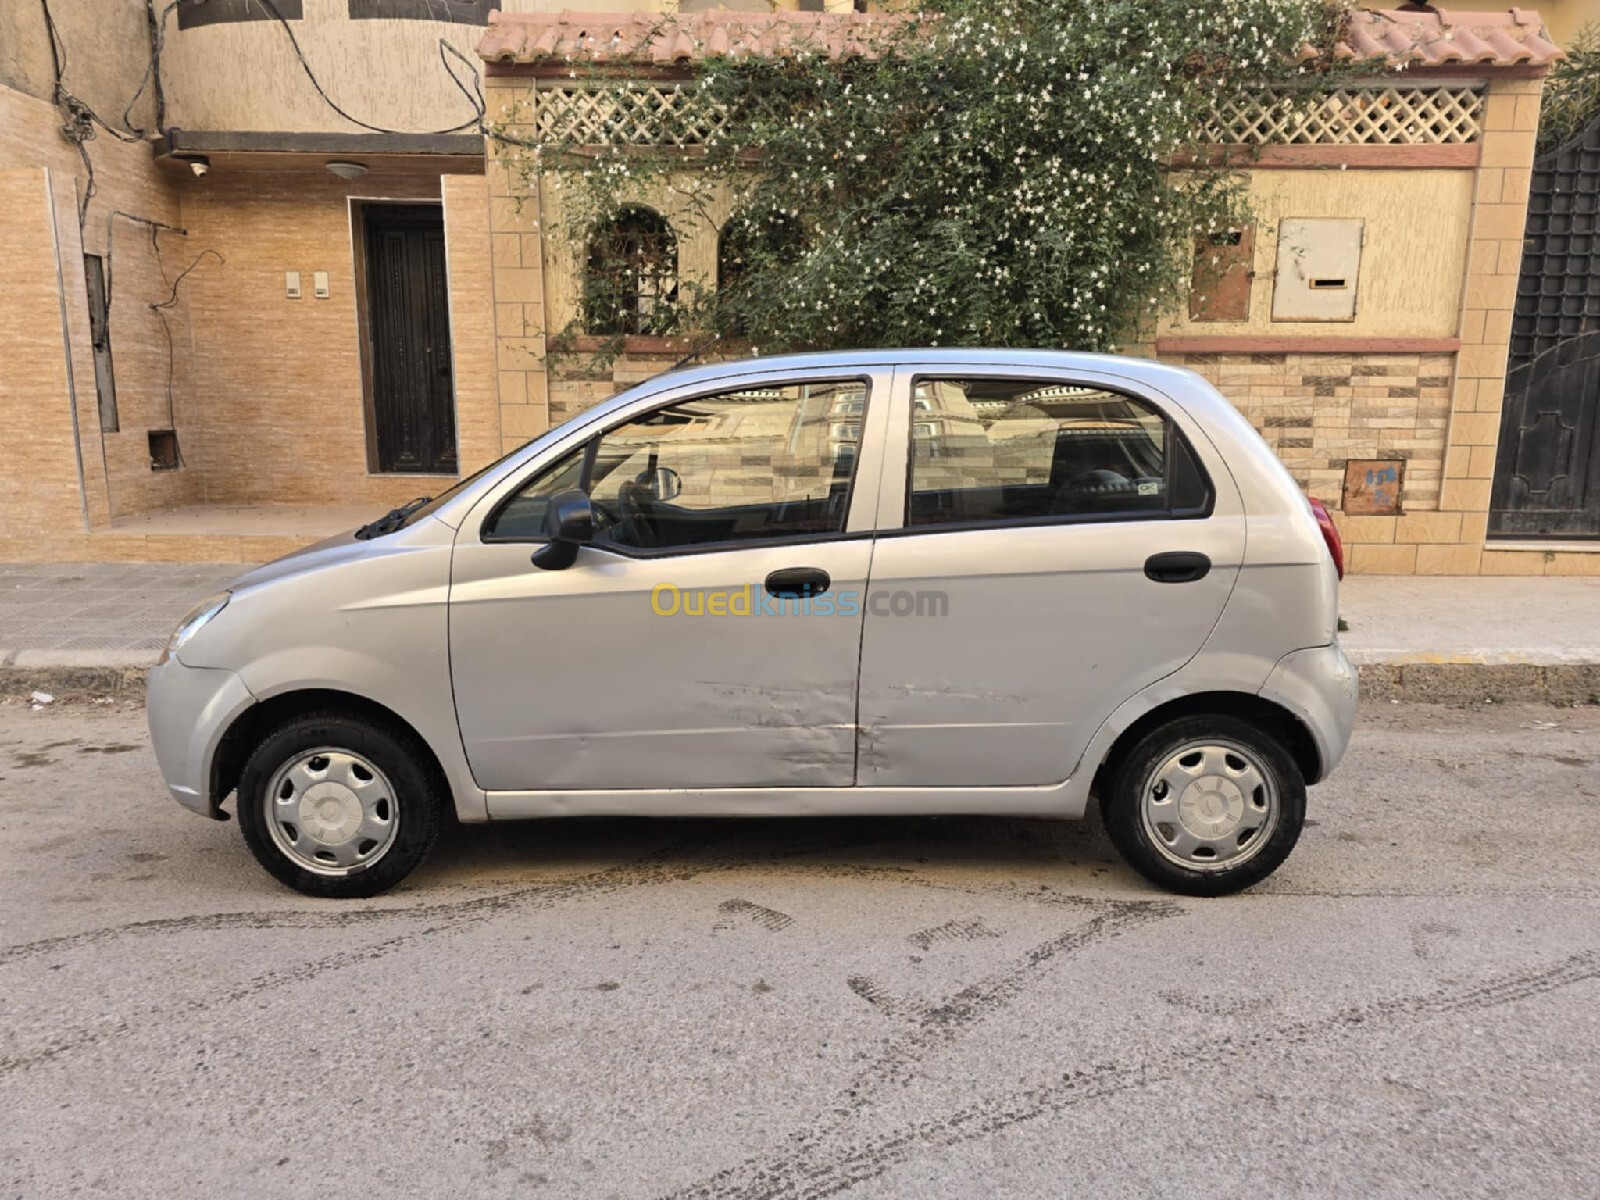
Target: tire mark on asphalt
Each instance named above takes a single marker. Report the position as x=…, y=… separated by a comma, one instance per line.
x=945, y=1021
x=669, y=865
x=952, y=931
x=769, y=919
x=837, y=1158
x=596, y=882
x=886, y=1002
x=651, y=870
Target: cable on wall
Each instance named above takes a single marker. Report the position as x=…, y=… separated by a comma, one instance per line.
x=160, y=308
x=479, y=106
x=157, y=23
x=155, y=227
x=81, y=119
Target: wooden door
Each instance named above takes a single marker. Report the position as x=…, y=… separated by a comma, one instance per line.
x=413, y=402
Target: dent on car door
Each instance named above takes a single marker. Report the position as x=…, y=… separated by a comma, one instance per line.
x=659, y=659
x=1063, y=545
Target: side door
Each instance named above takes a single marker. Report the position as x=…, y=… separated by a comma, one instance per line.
x=1042, y=568
x=678, y=650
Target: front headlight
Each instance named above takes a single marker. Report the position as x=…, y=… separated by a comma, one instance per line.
x=193, y=621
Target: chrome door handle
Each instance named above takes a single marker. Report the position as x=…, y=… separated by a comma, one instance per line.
x=798, y=581
x=1177, y=566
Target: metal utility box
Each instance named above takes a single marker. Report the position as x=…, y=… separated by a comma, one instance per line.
x=1319, y=259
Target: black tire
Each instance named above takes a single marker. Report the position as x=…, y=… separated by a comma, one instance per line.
x=419, y=801
x=1121, y=805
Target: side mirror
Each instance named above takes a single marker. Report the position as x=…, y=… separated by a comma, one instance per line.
x=568, y=524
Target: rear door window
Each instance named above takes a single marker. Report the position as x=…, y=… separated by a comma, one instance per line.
x=986, y=451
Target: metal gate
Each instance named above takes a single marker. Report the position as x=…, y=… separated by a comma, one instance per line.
x=1547, y=472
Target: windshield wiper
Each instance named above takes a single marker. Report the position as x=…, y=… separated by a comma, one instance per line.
x=391, y=520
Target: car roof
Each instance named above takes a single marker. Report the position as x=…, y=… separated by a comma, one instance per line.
x=1145, y=370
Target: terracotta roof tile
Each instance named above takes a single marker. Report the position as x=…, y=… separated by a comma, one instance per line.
x=655, y=39
x=1447, y=37
x=1420, y=36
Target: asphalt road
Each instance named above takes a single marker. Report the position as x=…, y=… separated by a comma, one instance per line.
x=925, y=1008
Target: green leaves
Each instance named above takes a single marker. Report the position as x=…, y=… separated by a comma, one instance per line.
x=1572, y=92
x=999, y=175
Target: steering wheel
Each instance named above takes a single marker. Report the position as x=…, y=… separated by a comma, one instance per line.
x=1086, y=491
x=638, y=513
x=604, y=517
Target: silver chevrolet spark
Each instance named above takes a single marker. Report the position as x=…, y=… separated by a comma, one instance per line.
x=896, y=582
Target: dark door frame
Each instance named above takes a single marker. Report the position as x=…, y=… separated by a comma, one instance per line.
x=359, y=207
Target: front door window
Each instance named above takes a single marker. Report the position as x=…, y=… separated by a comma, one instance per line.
x=738, y=467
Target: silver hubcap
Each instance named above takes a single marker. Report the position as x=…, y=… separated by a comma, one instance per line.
x=331, y=812
x=1210, y=804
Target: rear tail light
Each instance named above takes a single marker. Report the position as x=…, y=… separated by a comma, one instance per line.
x=1330, y=534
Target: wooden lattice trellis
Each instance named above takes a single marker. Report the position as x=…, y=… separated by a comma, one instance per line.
x=665, y=114
x=624, y=114
x=1362, y=116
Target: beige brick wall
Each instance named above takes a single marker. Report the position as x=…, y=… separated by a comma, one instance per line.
x=1318, y=410
x=472, y=337
x=126, y=182
x=39, y=487
x=279, y=381
x=519, y=303
x=266, y=393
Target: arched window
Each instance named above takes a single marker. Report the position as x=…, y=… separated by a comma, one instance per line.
x=631, y=282
x=751, y=240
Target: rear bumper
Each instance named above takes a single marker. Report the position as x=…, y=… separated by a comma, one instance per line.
x=1319, y=686
x=189, y=709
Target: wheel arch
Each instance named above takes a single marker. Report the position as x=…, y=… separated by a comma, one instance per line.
x=256, y=723
x=1288, y=729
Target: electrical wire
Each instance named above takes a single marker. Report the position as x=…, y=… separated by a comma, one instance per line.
x=155, y=227
x=152, y=66
x=81, y=122
x=78, y=112
x=160, y=309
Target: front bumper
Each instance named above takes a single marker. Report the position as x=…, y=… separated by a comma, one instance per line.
x=189, y=709
x=1319, y=686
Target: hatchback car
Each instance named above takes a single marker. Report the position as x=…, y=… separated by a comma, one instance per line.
x=945, y=581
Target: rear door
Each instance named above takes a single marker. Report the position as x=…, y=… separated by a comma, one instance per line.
x=1061, y=543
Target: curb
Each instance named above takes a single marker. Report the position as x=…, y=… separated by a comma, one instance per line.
x=73, y=682
x=1481, y=682
x=1420, y=680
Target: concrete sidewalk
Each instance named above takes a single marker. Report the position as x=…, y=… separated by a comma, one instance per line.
x=1438, y=637
x=95, y=627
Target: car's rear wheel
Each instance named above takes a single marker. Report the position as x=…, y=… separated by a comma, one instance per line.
x=1205, y=805
x=337, y=806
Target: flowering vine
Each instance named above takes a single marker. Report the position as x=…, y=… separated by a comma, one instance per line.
x=992, y=174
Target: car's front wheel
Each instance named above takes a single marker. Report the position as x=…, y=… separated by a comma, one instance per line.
x=1205, y=805
x=336, y=806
